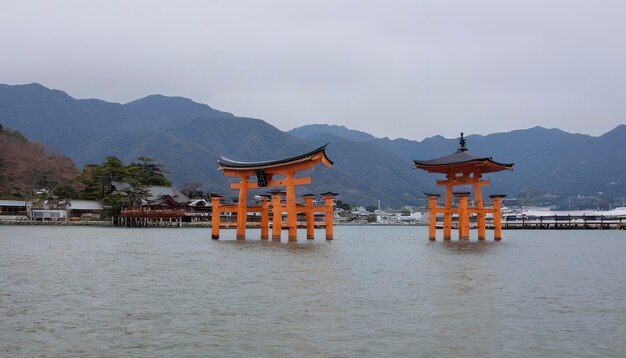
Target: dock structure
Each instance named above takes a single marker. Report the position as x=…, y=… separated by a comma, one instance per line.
x=163, y=211
x=143, y=218
x=278, y=174
x=566, y=220
x=465, y=170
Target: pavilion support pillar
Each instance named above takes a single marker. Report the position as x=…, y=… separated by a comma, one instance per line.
x=242, y=208
x=463, y=216
x=310, y=223
x=277, y=216
x=215, y=218
x=432, y=216
x=290, y=204
x=447, y=215
x=265, y=219
x=497, y=217
x=480, y=205
x=328, y=201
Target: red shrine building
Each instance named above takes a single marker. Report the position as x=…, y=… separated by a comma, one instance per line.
x=464, y=169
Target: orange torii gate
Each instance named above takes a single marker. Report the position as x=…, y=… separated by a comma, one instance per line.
x=463, y=169
x=279, y=201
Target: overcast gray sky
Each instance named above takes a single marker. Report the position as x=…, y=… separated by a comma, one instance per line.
x=408, y=69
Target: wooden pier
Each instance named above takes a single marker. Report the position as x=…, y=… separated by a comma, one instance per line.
x=566, y=223
x=142, y=217
x=553, y=222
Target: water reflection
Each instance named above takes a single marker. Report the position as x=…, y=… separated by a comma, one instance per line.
x=468, y=276
x=298, y=247
x=466, y=246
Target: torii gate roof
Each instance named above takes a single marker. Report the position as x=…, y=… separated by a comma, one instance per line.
x=313, y=157
x=462, y=161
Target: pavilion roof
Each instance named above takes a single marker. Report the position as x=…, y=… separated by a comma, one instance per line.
x=226, y=163
x=461, y=161
x=164, y=201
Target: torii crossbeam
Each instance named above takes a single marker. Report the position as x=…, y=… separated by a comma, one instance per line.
x=275, y=173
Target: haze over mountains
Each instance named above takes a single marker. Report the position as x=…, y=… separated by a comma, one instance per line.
x=189, y=137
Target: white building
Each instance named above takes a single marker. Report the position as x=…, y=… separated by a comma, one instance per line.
x=13, y=210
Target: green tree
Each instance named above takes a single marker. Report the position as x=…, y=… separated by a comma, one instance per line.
x=65, y=191
x=344, y=206
x=95, y=178
x=114, y=167
x=92, y=181
x=148, y=173
x=114, y=202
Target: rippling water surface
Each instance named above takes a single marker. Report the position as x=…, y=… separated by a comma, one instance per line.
x=373, y=291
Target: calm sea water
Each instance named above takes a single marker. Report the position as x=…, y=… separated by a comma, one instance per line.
x=373, y=291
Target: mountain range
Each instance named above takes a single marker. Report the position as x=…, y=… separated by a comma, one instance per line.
x=188, y=138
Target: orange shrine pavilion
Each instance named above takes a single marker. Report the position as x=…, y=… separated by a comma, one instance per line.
x=463, y=168
x=276, y=173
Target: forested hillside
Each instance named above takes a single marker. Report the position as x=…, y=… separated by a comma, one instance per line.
x=27, y=167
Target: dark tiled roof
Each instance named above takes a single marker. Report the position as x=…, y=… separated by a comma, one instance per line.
x=497, y=196
x=233, y=164
x=154, y=191
x=164, y=200
x=463, y=157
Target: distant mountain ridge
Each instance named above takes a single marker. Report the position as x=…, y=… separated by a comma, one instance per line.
x=336, y=130
x=188, y=137
x=54, y=117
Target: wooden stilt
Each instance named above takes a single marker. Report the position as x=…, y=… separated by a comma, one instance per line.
x=242, y=209
x=497, y=217
x=432, y=216
x=480, y=215
x=310, y=223
x=265, y=222
x=215, y=218
x=328, y=201
x=290, y=204
x=463, y=216
x=447, y=214
x=277, y=216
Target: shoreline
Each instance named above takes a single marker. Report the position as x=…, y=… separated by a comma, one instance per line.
x=56, y=223
x=207, y=225
x=109, y=223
